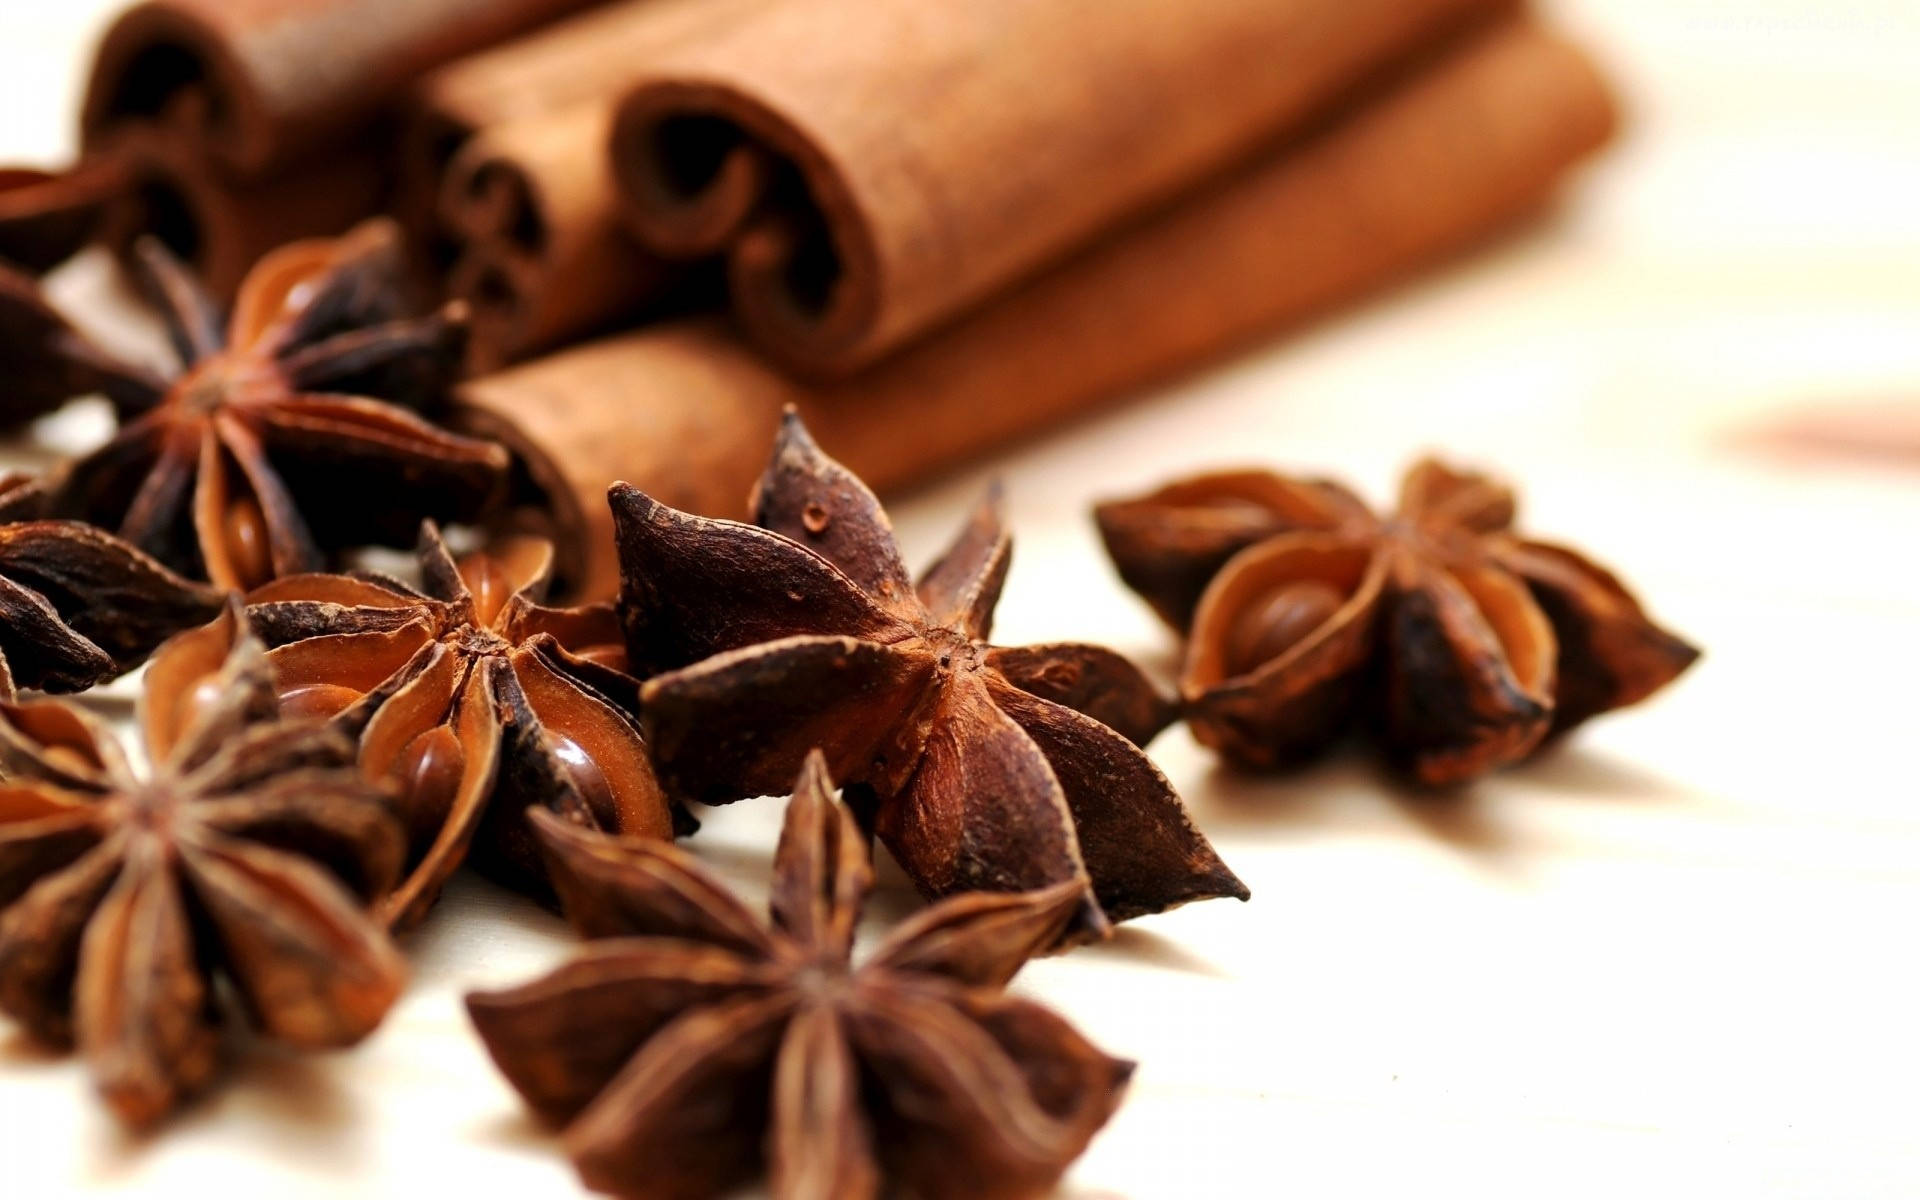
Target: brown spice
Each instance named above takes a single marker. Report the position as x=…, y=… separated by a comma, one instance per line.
x=220, y=224
x=471, y=700
x=265, y=83
x=233, y=470
x=46, y=362
x=696, y=1044
x=242, y=860
x=1462, y=643
x=46, y=217
x=1436, y=159
x=1036, y=129
x=78, y=605
x=989, y=768
x=542, y=258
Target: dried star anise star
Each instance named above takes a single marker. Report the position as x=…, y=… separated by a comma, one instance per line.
x=984, y=768
x=78, y=605
x=473, y=700
x=269, y=448
x=243, y=858
x=1463, y=644
x=695, y=1044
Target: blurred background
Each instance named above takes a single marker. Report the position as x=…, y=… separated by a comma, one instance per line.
x=1745, y=251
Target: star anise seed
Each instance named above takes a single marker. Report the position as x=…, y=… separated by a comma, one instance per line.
x=691, y=1046
x=1461, y=643
x=242, y=862
x=269, y=448
x=989, y=768
x=473, y=701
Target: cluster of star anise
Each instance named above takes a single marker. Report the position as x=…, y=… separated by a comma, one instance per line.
x=334, y=744
x=324, y=747
x=249, y=870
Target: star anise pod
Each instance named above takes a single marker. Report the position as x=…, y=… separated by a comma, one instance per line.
x=986, y=768
x=695, y=1046
x=269, y=447
x=239, y=863
x=46, y=217
x=1461, y=643
x=473, y=700
x=78, y=605
x=45, y=361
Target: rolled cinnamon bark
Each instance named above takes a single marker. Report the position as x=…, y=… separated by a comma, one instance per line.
x=258, y=83
x=931, y=154
x=591, y=55
x=219, y=224
x=686, y=411
x=542, y=257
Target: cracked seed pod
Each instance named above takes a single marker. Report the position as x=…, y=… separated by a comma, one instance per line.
x=984, y=767
x=232, y=469
x=692, y=1046
x=1461, y=644
x=132, y=903
x=473, y=701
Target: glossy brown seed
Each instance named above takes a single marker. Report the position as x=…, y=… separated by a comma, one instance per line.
x=693, y=1046
x=1267, y=629
x=240, y=864
x=990, y=769
x=466, y=697
x=1460, y=644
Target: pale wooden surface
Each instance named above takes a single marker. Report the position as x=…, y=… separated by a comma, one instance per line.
x=1674, y=959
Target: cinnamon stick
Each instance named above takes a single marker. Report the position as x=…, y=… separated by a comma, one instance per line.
x=543, y=255
x=686, y=410
x=931, y=154
x=512, y=141
x=590, y=55
x=258, y=83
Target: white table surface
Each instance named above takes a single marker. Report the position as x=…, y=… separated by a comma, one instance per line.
x=1675, y=958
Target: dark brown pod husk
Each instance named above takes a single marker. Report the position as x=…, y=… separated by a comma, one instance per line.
x=77, y=605
x=691, y=1047
x=1169, y=544
x=47, y=362
x=140, y=911
x=471, y=700
x=1461, y=645
x=764, y=643
x=231, y=471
